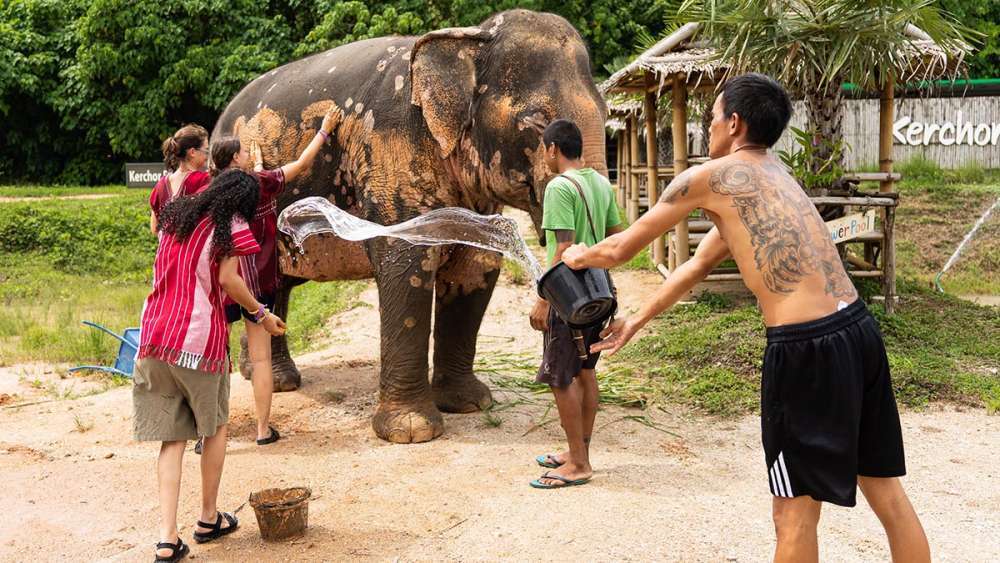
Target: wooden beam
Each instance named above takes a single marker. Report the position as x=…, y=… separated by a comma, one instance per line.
x=649, y=111
x=859, y=262
x=865, y=274
x=886, y=117
x=872, y=176
x=633, y=165
x=840, y=200
x=678, y=100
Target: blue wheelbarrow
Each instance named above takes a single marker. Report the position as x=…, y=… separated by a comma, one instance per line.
x=127, y=351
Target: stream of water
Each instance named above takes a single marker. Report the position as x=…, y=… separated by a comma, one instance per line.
x=958, y=251
x=448, y=225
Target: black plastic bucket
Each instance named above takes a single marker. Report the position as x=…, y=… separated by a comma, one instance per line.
x=582, y=298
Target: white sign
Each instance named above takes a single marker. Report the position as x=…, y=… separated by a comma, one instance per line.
x=851, y=226
x=908, y=132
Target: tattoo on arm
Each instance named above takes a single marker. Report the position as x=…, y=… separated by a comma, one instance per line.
x=678, y=188
x=565, y=235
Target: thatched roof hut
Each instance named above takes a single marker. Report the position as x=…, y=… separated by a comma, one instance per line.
x=681, y=63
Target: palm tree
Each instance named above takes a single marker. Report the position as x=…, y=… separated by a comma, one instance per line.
x=814, y=46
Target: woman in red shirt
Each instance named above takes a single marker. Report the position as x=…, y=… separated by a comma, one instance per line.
x=261, y=270
x=180, y=386
x=185, y=154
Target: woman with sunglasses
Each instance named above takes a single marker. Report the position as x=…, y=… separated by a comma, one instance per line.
x=185, y=154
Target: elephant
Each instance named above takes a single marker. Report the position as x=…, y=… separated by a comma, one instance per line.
x=450, y=118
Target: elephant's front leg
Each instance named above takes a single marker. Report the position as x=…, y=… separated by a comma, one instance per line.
x=464, y=286
x=405, y=277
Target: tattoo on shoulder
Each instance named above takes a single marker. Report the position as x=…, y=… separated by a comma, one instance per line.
x=678, y=188
x=734, y=179
x=785, y=231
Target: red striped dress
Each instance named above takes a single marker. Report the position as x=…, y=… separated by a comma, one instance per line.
x=260, y=271
x=193, y=183
x=183, y=320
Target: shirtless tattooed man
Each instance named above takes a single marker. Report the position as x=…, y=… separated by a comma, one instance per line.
x=828, y=414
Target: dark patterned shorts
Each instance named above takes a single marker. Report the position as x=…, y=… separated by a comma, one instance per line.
x=561, y=362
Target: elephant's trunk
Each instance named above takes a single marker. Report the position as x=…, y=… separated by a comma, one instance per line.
x=594, y=155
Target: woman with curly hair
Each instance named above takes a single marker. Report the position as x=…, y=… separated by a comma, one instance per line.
x=185, y=154
x=181, y=382
x=261, y=270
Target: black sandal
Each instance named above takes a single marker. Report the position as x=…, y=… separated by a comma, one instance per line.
x=274, y=437
x=178, y=550
x=217, y=530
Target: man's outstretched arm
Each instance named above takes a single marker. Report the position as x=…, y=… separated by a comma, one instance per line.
x=681, y=197
x=711, y=251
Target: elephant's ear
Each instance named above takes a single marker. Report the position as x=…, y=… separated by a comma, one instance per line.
x=443, y=79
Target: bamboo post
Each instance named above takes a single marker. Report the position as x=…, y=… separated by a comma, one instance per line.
x=682, y=243
x=886, y=117
x=619, y=177
x=633, y=165
x=652, y=189
x=627, y=158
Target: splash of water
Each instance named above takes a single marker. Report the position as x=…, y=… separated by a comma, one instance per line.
x=965, y=241
x=449, y=225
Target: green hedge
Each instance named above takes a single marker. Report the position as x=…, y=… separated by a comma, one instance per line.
x=106, y=236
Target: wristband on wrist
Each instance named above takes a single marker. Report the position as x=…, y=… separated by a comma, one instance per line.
x=260, y=315
x=324, y=134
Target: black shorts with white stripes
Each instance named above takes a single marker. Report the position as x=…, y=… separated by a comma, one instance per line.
x=828, y=413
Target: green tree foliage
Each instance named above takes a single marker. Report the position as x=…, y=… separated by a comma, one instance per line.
x=35, y=43
x=143, y=67
x=86, y=85
x=984, y=17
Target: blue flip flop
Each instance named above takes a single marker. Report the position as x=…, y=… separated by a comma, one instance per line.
x=537, y=483
x=548, y=461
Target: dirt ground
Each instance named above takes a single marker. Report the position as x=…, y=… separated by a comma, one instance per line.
x=74, y=481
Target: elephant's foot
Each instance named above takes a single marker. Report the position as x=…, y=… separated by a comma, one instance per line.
x=246, y=367
x=408, y=423
x=286, y=375
x=461, y=394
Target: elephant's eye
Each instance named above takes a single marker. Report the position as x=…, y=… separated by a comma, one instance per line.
x=536, y=121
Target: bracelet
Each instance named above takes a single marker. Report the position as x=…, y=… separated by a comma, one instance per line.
x=325, y=135
x=260, y=315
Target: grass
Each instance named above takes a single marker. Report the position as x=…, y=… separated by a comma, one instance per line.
x=709, y=354
x=310, y=305
x=62, y=191
x=932, y=219
x=66, y=261
x=515, y=273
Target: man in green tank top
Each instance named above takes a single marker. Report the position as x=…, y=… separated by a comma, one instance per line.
x=569, y=197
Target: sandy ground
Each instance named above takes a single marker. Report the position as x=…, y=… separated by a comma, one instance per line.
x=74, y=482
